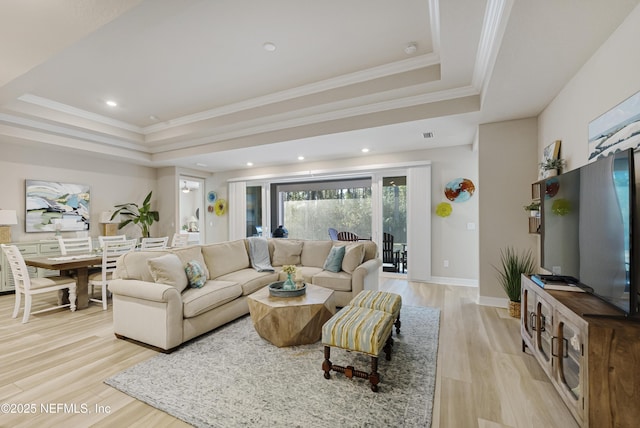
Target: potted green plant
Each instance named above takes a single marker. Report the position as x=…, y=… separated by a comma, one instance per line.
x=533, y=208
x=142, y=216
x=552, y=166
x=512, y=265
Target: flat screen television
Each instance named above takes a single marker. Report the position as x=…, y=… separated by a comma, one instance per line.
x=587, y=229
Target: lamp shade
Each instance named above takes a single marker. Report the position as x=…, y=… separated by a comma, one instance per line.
x=8, y=217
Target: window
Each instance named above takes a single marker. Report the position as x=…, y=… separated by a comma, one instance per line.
x=307, y=210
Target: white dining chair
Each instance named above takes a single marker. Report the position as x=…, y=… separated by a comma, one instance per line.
x=179, y=240
x=102, y=239
x=24, y=285
x=111, y=251
x=75, y=245
x=154, y=243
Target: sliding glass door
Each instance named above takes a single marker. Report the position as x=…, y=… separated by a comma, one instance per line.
x=394, y=223
x=309, y=209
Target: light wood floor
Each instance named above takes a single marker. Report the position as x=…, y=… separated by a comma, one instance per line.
x=61, y=358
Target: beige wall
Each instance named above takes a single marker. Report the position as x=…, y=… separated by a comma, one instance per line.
x=608, y=78
x=451, y=240
x=507, y=151
x=111, y=182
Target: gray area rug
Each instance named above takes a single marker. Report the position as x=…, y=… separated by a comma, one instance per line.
x=232, y=377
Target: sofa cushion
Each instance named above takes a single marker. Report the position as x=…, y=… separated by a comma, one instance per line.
x=168, y=269
x=286, y=252
x=133, y=265
x=250, y=279
x=195, y=274
x=353, y=256
x=214, y=293
x=334, y=259
x=188, y=254
x=370, y=250
x=315, y=253
x=225, y=257
x=340, y=281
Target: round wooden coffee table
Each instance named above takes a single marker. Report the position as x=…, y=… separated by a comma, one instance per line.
x=288, y=321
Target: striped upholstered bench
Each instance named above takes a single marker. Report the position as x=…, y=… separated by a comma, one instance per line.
x=390, y=303
x=358, y=329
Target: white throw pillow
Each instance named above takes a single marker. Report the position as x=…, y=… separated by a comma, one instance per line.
x=353, y=256
x=169, y=270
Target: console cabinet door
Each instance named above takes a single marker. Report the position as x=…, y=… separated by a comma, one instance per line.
x=528, y=315
x=544, y=334
x=569, y=345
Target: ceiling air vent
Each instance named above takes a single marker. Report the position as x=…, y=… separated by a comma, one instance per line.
x=427, y=135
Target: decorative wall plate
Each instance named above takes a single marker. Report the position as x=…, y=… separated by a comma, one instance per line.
x=211, y=197
x=459, y=189
x=444, y=209
x=221, y=207
x=551, y=187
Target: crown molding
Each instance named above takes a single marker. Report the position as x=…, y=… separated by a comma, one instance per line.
x=315, y=115
x=493, y=28
x=410, y=64
x=73, y=111
x=21, y=122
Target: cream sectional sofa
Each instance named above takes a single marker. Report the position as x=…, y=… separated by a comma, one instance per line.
x=154, y=304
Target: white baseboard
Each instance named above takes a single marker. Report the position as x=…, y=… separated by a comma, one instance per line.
x=452, y=281
x=498, y=302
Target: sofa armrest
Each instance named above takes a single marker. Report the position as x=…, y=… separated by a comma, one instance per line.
x=365, y=276
x=148, y=312
x=144, y=290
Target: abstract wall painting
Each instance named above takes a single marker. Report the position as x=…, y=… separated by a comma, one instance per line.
x=616, y=130
x=52, y=206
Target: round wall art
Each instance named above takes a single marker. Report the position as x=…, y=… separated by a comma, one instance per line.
x=211, y=197
x=551, y=188
x=459, y=189
x=444, y=209
x=220, y=207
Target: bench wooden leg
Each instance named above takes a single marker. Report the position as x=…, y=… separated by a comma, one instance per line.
x=388, y=346
x=374, y=376
x=326, y=364
x=398, y=324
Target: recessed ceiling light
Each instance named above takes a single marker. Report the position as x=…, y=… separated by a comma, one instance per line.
x=365, y=150
x=200, y=164
x=300, y=157
x=111, y=103
x=269, y=46
x=249, y=163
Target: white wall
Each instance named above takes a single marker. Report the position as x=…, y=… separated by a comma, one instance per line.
x=111, y=183
x=607, y=78
x=450, y=238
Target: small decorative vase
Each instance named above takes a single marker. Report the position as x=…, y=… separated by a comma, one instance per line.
x=289, y=284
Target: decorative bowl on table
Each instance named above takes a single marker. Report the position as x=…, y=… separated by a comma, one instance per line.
x=275, y=290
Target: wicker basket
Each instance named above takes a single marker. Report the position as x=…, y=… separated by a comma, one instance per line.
x=514, y=309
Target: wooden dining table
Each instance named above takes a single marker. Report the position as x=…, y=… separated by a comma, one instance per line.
x=70, y=264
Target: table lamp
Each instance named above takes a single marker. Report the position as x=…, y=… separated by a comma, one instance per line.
x=193, y=224
x=109, y=227
x=7, y=218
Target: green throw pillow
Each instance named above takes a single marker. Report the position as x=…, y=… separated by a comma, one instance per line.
x=334, y=259
x=195, y=274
